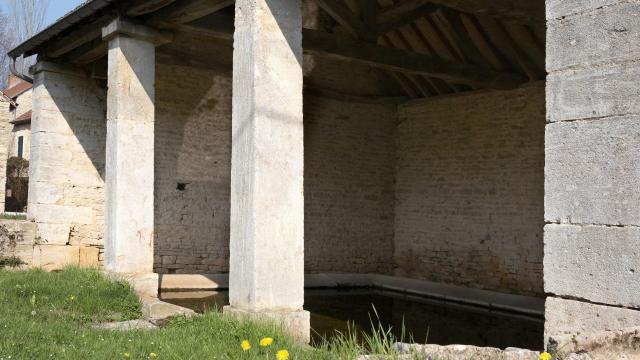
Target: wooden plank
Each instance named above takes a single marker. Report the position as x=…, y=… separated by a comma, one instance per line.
x=509, y=48
x=185, y=11
x=453, y=23
x=404, y=13
x=147, y=6
x=482, y=43
x=88, y=53
x=344, y=16
x=323, y=44
x=79, y=37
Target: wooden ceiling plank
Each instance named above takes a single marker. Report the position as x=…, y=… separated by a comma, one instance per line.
x=452, y=21
x=184, y=11
x=509, y=48
x=402, y=14
x=79, y=37
x=483, y=44
x=341, y=13
x=147, y=6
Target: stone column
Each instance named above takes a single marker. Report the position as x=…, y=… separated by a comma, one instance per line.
x=66, y=186
x=267, y=204
x=130, y=147
x=592, y=172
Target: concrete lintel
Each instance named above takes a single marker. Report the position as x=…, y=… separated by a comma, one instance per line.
x=127, y=28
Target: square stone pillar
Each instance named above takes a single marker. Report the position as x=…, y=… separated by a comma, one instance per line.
x=267, y=203
x=592, y=170
x=129, y=215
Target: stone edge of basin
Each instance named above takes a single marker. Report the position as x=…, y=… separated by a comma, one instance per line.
x=459, y=294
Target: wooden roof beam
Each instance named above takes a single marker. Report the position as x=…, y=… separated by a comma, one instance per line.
x=345, y=17
x=404, y=13
x=185, y=11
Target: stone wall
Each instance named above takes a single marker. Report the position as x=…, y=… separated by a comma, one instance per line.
x=349, y=166
x=23, y=130
x=5, y=134
x=469, y=190
x=592, y=203
x=66, y=187
x=192, y=170
x=348, y=178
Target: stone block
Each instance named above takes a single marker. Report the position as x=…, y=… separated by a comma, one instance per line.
x=566, y=318
x=89, y=257
x=608, y=35
x=592, y=170
x=55, y=258
x=295, y=323
x=54, y=234
x=560, y=8
x=593, y=92
x=597, y=263
x=45, y=192
x=61, y=214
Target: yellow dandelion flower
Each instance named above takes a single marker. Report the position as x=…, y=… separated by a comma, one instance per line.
x=126, y=355
x=545, y=356
x=153, y=355
x=282, y=355
x=266, y=341
x=245, y=345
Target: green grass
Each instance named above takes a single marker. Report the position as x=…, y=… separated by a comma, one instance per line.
x=49, y=316
x=5, y=216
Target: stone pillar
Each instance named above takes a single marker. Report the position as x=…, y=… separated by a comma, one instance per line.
x=592, y=172
x=267, y=204
x=129, y=213
x=66, y=186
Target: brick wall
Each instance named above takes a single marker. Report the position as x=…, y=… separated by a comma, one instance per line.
x=348, y=186
x=469, y=190
x=193, y=138
x=348, y=178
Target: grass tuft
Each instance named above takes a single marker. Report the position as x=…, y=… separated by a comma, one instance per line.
x=50, y=316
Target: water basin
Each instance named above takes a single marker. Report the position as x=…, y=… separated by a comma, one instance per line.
x=425, y=319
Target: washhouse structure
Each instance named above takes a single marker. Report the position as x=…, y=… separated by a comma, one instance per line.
x=410, y=142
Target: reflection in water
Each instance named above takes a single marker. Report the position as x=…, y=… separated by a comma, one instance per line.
x=436, y=321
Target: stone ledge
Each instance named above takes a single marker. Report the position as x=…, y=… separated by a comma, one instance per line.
x=509, y=302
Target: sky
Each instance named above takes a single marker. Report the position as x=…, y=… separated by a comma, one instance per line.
x=57, y=8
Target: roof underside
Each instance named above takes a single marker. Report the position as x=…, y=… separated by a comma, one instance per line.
x=408, y=48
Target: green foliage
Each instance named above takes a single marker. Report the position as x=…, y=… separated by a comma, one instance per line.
x=50, y=316
x=5, y=216
x=11, y=262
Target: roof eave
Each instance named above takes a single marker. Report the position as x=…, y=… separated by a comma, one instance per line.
x=30, y=46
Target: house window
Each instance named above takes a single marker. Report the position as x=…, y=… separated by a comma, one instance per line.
x=20, y=145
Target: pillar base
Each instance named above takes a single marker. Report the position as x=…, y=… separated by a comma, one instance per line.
x=296, y=324
x=144, y=284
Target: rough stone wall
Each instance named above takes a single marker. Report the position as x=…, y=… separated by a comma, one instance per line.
x=348, y=178
x=193, y=149
x=66, y=187
x=349, y=166
x=5, y=135
x=592, y=202
x=469, y=190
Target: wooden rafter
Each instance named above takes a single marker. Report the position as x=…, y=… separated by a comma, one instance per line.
x=147, y=6
x=402, y=14
x=345, y=17
x=350, y=50
x=184, y=11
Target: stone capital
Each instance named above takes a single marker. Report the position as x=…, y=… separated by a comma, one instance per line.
x=123, y=27
x=47, y=66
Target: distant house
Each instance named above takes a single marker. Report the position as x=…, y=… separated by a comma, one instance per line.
x=15, y=130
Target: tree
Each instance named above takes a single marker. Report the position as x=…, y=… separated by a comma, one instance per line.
x=26, y=18
x=6, y=42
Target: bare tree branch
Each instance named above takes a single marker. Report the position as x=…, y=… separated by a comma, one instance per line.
x=26, y=18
